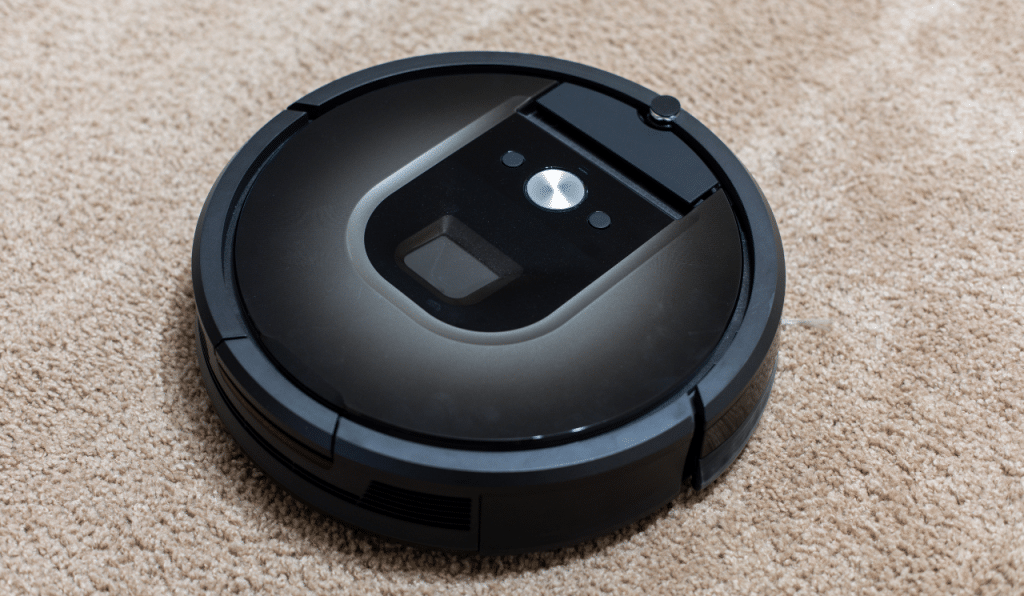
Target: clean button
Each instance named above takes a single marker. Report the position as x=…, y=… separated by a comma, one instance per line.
x=556, y=190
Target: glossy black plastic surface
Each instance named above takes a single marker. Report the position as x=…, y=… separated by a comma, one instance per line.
x=406, y=466
x=633, y=338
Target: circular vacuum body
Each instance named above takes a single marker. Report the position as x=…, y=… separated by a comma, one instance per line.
x=488, y=302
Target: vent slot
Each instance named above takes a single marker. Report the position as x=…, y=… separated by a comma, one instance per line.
x=453, y=513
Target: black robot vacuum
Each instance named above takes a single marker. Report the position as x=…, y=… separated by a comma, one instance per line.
x=487, y=302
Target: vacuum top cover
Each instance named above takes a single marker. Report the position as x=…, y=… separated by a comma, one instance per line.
x=488, y=257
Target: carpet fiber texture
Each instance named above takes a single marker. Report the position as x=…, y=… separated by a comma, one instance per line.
x=887, y=136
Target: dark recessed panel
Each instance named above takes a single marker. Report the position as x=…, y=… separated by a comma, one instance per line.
x=558, y=253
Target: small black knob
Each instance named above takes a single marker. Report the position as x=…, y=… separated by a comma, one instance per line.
x=665, y=109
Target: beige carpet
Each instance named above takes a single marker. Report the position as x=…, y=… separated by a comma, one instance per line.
x=888, y=137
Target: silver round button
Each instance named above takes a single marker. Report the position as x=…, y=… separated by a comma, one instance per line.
x=556, y=190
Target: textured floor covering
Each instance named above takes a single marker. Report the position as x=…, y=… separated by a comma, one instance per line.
x=888, y=136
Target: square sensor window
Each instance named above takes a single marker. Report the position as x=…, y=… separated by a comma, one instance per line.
x=455, y=263
x=449, y=269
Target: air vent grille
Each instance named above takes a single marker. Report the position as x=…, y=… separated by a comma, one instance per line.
x=454, y=513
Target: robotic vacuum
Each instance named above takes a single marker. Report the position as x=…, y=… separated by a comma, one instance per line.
x=487, y=302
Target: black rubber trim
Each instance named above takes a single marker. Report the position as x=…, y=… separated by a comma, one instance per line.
x=712, y=465
x=212, y=274
x=438, y=511
x=281, y=435
x=745, y=404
